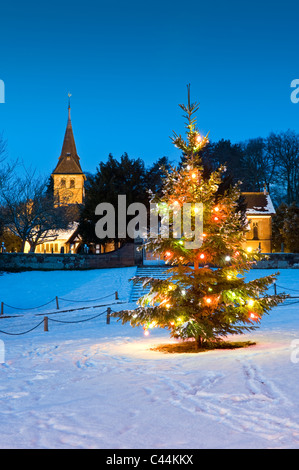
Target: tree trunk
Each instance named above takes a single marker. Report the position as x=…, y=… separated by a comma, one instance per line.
x=198, y=342
x=23, y=246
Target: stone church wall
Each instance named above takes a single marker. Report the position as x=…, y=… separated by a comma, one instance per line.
x=123, y=257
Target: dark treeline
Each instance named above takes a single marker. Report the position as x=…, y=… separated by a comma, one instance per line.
x=125, y=176
x=257, y=163
x=272, y=162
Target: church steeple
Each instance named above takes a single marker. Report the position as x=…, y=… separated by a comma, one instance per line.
x=68, y=175
x=69, y=161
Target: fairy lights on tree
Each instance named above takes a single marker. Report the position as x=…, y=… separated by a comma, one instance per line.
x=206, y=296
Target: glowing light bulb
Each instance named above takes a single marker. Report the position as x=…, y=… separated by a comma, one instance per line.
x=216, y=209
x=208, y=300
x=168, y=305
x=253, y=316
x=227, y=258
x=216, y=219
x=202, y=256
x=250, y=302
x=168, y=254
x=249, y=249
x=183, y=292
x=228, y=277
x=146, y=332
x=193, y=175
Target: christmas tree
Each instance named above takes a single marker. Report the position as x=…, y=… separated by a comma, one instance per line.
x=206, y=296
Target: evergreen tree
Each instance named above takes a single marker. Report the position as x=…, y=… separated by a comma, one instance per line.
x=286, y=228
x=155, y=175
x=205, y=296
x=277, y=228
x=113, y=178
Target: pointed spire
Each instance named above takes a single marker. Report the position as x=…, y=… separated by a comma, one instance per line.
x=69, y=107
x=68, y=162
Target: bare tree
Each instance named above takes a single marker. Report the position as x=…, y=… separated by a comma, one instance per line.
x=3, y=148
x=28, y=209
x=283, y=147
x=259, y=166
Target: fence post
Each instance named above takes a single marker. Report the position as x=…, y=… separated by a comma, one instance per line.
x=116, y=295
x=2, y=308
x=57, y=304
x=46, y=324
x=108, y=315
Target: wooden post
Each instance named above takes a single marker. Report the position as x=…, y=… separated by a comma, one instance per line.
x=108, y=315
x=57, y=304
x=116, y=295
x=46, y=324
x=2, y=308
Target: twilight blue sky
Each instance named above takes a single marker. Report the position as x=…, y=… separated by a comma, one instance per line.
x=127, y=64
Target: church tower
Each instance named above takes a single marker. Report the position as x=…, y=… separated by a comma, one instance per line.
x=68, y=176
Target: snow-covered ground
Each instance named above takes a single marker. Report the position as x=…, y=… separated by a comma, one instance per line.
x=98, y=385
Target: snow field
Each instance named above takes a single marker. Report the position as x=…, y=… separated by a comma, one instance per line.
x=93, y=385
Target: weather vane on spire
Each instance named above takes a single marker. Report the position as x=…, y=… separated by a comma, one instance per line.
x=69, y=107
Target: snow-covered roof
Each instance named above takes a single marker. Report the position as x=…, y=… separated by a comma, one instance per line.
x=66, y=234
x=259, y=204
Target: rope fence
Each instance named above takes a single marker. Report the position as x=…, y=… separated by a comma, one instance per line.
x=115, y=294
x=56, y=300
x=290, y=300
x=46, y=320
x=24, y=332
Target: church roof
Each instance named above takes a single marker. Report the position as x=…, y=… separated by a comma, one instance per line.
x=259, y=204
x=69, y=161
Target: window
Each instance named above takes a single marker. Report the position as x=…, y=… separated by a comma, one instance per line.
x=72, y=184
x=63, y=183
x=255, y=230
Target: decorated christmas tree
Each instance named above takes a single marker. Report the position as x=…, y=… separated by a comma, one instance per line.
x=205, y=296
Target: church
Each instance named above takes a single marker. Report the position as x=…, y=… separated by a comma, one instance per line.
x=68, y=177
x=68, y=186
x=68, y=183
